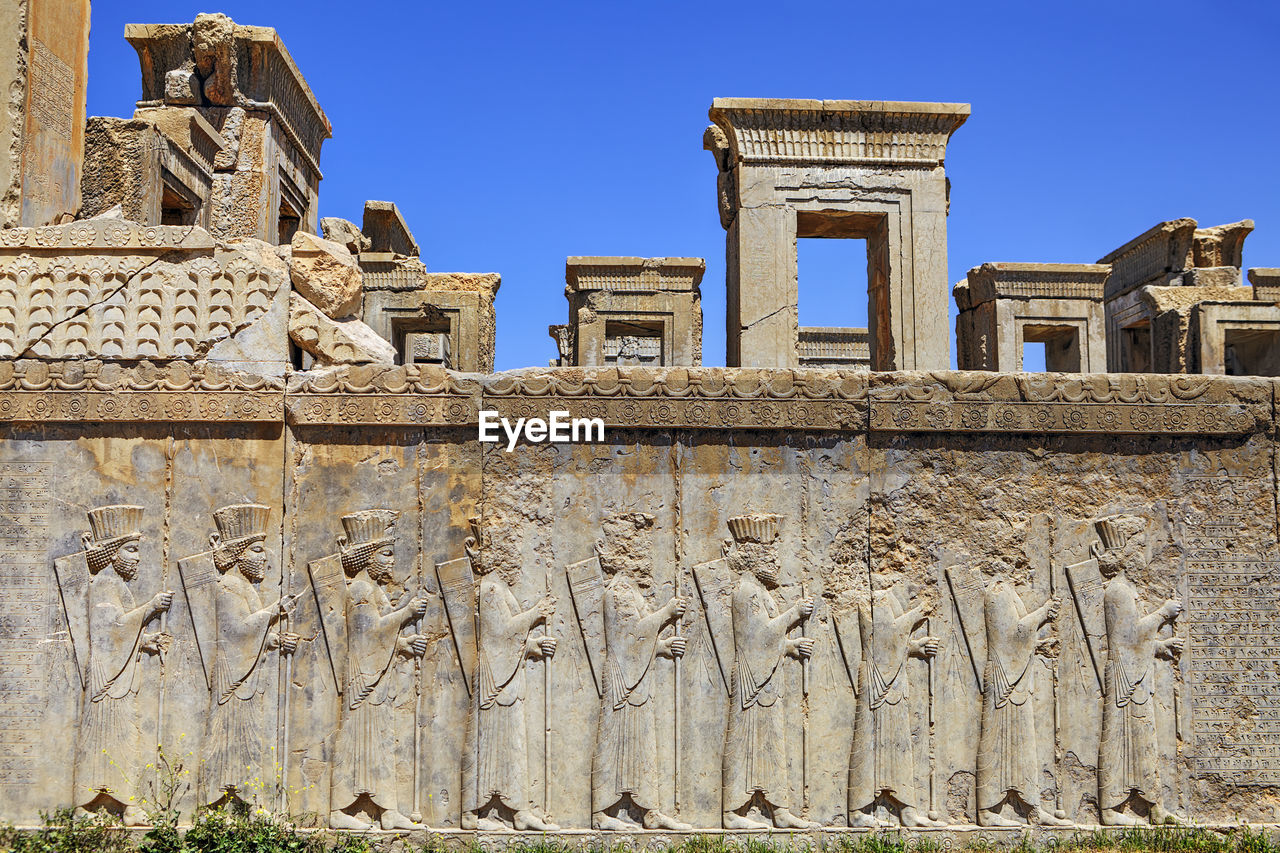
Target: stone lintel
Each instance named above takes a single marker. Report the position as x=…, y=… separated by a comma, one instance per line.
x=587, y=273
x=191, y=131
x=386, y=229
x=782, y=130
x=1032, y=281
x=1156, y=256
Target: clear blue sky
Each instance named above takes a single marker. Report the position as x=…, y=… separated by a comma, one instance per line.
x=515, y=134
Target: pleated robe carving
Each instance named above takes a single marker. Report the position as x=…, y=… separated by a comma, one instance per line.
x=495, y=760
x=626, y=741
x=755, y=739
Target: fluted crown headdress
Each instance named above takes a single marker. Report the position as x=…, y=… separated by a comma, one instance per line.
x=112, y=527
x=241, y=522
x=1115, y=530
x=239, y=526
x=366, y=532
x=758, y=527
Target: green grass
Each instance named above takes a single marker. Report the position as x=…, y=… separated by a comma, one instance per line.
x=221, y=831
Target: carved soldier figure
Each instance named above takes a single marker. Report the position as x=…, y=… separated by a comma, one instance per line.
x=882, y=763
x=109, y=750
x=755, y=769
x=1127, y=754
x=1008, y=762
x=624, y=772
x=240, y=732
x=364, y=763
x=495, y=760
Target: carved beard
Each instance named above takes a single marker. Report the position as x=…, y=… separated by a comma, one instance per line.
x=127, y=565
x=767, y=574
x=382, y=569
x=509, y=575
x=254, y=568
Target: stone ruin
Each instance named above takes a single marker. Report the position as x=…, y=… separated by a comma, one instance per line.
x=247, y=522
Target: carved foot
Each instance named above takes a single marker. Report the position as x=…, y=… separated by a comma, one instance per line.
x=784, y=819
x=527, y=820
x=654, y=819
x=609, y=823
x=866, y=820
x=991, y=817
x=912, y=818
x=81, y=811
x=733, y=820
x=491, y=824
x=135, y=816
x=338, y=819
x=1115, y=817
x=1161, y=815
x=392, y=819
x=1043, y=818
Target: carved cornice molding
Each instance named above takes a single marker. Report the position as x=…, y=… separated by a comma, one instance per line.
x=771, y=131
x=807, y=400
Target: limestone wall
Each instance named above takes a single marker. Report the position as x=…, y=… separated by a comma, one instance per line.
x=913, y=486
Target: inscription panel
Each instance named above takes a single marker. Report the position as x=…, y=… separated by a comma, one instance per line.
x=1232, y=673
x=24, y=617
x=53, y=85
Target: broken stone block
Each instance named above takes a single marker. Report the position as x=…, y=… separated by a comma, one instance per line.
x=384, y=225
x=326, y=275
x=345, y=232
x=329, y=341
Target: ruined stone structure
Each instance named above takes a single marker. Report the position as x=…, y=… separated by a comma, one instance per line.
x=44, y=52
x=832, y=587
x=632, y=311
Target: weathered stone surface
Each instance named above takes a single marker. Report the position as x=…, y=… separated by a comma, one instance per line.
x=837, y=169
x=249, y=89
x=344, y=341
x=633, y=311
x=1004, y=306
x=326, y=274
x=346, y=233
x=402, y=300
x=386, y=229
x=44, y=52
x=109, y=288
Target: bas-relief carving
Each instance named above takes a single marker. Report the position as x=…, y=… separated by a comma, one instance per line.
x=882, y=763
x=362, y=634
x=1002, y=619
x=110, y=635
x=1005, y=633
x=239, y=642
x=622, y=632
x=756, y=784
x=1128, y=773
x=496, y=794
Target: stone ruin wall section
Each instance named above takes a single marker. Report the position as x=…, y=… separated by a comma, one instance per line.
x=913, y=477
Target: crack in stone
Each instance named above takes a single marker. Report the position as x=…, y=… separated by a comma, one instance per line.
x=27, y=350
x=767, y=316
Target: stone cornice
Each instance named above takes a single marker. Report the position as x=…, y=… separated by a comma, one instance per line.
x=617, y=274
x=790, y=131
x=718, y=399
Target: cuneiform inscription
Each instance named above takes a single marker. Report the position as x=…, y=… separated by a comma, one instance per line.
x=53, y=95
x=24, y=620
x=1232, y=670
